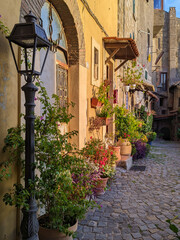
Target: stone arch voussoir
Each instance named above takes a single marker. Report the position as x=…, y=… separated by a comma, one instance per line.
x=68, y=11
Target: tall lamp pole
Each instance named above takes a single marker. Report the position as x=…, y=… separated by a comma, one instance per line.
x=30, y=37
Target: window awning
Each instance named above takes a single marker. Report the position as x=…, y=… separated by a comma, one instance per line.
x=120, y=48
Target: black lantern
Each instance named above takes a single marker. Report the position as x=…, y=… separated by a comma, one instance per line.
x=31, y=38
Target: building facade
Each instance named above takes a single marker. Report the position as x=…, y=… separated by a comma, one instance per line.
x=82, y=57
x=166, y=77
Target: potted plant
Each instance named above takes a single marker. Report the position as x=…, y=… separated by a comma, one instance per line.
x=95, y=103
x=106, y=110
x=62, y=196
x=132, y=75
x=151, y=137
x=103, y=159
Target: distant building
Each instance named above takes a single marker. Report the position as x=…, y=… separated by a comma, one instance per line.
x=166, y=70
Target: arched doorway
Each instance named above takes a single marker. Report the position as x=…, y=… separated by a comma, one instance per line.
x=74, y=68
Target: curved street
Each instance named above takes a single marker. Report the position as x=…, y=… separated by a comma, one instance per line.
x=137, y=204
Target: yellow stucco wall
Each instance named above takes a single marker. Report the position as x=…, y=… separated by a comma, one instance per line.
x=106, y=13
x=8, y=110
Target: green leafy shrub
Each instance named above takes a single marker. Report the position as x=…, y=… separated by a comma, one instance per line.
x=107, y=108
x=151, y=136
x=127, y=125
x=56, y=187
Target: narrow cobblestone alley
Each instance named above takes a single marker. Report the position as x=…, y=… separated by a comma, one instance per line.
x=138, y=203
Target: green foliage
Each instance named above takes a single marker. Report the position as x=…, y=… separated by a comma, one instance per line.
x=56, y=187
x=107, y=108
x=4, y=29
x=14, y=144
x=148, y=120
x=132, y=74
x=173, y=227
x=127, y=125
x=151, y=136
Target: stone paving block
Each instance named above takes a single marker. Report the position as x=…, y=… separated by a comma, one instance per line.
x=156, y=236
x=102, y=224
x=100, y=236
x=136, y=235
x=127, y=237
x=117, y=237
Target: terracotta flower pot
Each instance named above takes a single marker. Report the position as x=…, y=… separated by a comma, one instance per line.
x=101, y=184
x=95, y=103
x=117, y=151
x=109, y=120
x=53, y=234
x=126, y=147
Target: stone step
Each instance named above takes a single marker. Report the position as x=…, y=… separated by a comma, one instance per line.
x=125, y=162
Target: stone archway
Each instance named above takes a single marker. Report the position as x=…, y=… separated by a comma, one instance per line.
x=68, y=11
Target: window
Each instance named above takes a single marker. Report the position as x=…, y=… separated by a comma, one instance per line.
x=134, y=6
x=163, y=81
x=159, y=43
x=62, y=85
x=148, y=43
x=95, y=63
x=55, y=32
x=161, y=102
x=163, y=112
x=158, y=4
x=146, y=75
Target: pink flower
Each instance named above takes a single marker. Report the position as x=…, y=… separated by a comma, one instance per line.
x=35, y=98
x=111, y=153
x=101, y=147
x=143, y=65
x=41, y=118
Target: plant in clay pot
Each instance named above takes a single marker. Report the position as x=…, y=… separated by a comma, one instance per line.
x=103, y=159
x=56, y=188
x=106, y=110
x=132, y=75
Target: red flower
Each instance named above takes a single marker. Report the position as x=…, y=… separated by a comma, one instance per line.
x=91, y=137
x=111, y=153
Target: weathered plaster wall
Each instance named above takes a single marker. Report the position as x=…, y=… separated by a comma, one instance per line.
x=108, y=19
x=8, y=111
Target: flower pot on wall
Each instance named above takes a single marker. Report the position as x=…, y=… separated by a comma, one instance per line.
x=107, y=82
x=126, y=88
x=133, y=86
x=95, y=103
x=53, y=234
x=109, y=120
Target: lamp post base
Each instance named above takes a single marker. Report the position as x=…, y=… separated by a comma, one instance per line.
x=30, y=224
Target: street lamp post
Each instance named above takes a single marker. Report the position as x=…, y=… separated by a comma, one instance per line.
x=30, y=37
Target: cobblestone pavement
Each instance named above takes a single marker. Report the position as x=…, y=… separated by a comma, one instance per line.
x=137, y=204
